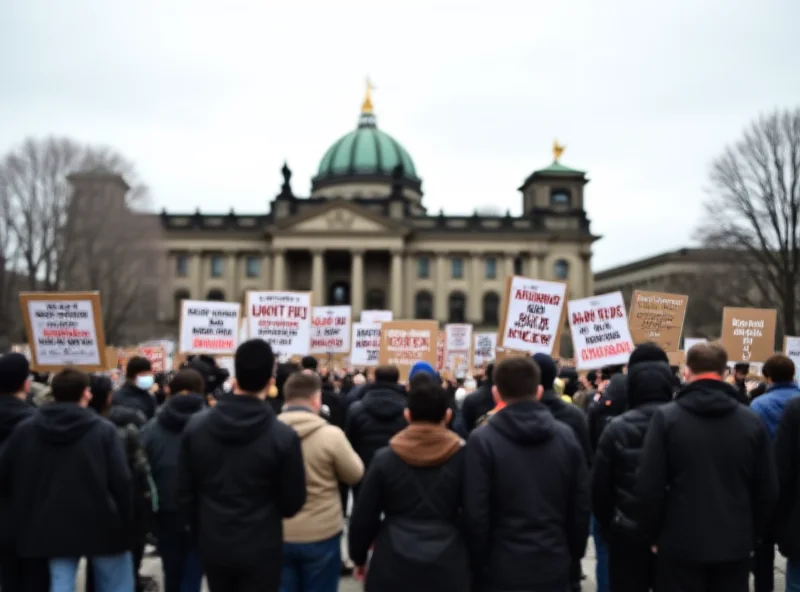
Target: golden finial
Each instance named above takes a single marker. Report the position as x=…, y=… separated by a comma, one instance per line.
x=366, y=106
x=558, y=150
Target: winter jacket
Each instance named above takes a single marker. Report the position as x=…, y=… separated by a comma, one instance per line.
x=409, y=508
x=476, y=405
x=240, y=473
x=130, y=395
x=372, y=421
x=769, y=406
x=161, y=438
x=573, y=417
x=650, y=385
x=333, y=407
x=787, y=459
x=605, y=407
x=77, y=501
x=355, y=395
x=12, y=412
x=328, y=459
x=706, y=484
x=526, y=500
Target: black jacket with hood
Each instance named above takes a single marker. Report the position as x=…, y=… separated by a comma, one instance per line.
x=476, y=405
x=130, y=395
x=77, y=501
x=787, y=457
x=161, y=438
x=12, y=412
x=613, y=402
x=526, y=500
x=240, y=473
x=372, y=421
x=573, y=417
x=650, y=385
x=706, y=485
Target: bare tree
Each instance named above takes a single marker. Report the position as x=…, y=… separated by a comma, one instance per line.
x=754, y=211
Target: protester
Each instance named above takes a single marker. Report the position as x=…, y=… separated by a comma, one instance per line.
x=479, y=403
x=332, y=406
x=787, y=513
x=650, y=384
x=740, y=372
x=240, y=473
x=77, y=454
x=135, y=393
x=526, y=495
x=312, y=538
x=161, y=438
x=410, y=502
x=706, y=483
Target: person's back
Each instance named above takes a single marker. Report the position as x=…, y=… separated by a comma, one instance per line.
x=780, y=389
x=409, y=504
x=478, y=403
x=240, y=473
x=526, y=495
x=787, y=512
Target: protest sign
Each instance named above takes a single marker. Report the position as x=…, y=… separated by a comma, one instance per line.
x=156, y=355
x=748, y=334
x=227, y=363
x=485, y=344
x=676, y=358
x=330, y=330
x=366, y=345
x=440, y=351
x=403, y=343
x=209, y=327
x=657, y=317
x=791, y=349
x=64, y=329
x=283, y=319
x=600, y=333
x=501, y=353
x=532, y=318
x=690, y=342
x=376, y=316
x=458, y=348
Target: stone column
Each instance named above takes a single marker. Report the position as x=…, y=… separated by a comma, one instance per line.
x=440, y=298
x=357, y=283
x=279, y=270
x=534, y=266
x=509, y=264
x=588, y=276
x=318, y=277
x=232, y=278
x=475, y=296
x=197, y=275
x=397, y=284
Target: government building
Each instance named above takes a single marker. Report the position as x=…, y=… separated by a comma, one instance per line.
x=364, y=237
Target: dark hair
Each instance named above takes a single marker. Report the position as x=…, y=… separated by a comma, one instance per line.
x=189, y=380
x=427, y=401
x=14, y=371
x=309, y=363
x=607, y=372
x=101, y=387
x=213, y=376
x=707, y=357
x=422, y=378
x=69, y=385
x=591, y=377
x=387, y=374
x=742, y=368
x=778, y=368
x=253, y=363
x=137, y=365
x=301, y=385
x=517, y=377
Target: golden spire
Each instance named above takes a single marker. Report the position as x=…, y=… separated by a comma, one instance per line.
x=558, y=150
x=366, y=106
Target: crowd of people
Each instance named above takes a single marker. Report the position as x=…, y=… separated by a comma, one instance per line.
x=685, y=483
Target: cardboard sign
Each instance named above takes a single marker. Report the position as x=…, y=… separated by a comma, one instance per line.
x=532, y=318
x=330, y=330
x=366, y=345
x=376, y=316
x=690, y=342
x=600, y=333
x=791, y=349
x=501, y=353
x=283, y=319
x=209, y=327
x=458, y=348
x=64, y=329
x=484, y=350
x=657, y=317
x=748, y=334
x=404, y=343
x=156, y=355
x=440, y=351
x=676, y=358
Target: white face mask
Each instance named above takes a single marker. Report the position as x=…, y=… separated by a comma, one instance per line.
x=145, y=381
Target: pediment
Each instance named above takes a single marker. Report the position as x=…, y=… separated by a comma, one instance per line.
x=339, y=217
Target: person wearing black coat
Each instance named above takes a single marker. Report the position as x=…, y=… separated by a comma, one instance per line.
x=409, y=506
x=706, y=484
x=612, y=401
x=240, y=472
x=135, y=393
x=479, y=402
x=650, y=385
x=526, y=492
x=787, y=513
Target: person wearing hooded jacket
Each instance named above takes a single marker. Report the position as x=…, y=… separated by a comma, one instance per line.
x=478, y=403
x=650, y=385
x=161, y=438
x=526, y=492
x=706, y=484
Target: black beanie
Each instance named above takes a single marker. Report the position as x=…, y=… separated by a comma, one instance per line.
x=548, y=369
x=14, y=371
x=648, y=352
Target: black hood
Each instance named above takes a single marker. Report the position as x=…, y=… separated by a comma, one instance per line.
x=120, y=416
x=526, y=422
x=239, y=419
x=385, y=401
x=650, y=382
x=12, y=411
x=177, y=411
x=64, y=423
x=708, y=398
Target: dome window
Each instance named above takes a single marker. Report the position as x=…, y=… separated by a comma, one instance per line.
x=560, y=197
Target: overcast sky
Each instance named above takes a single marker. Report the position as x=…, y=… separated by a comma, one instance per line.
x=208, y=98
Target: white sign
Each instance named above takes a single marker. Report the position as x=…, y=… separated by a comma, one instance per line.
x=283, y=319
x=485, y=346
x=792, y=351
x=209, y=327
x=533, y=316
x=600, y=333
x=366, y=345
x=690, y=342
x=330, y=330
x=458, y=348
x=376, y=316
x=64, y=333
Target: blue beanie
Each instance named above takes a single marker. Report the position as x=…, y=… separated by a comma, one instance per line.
x=548, y=369
x=421, y=367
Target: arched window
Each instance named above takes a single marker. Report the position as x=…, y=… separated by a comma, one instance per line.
x=423, y=305
x=376, y=300
x=561, y=269
x=179, y=295
x=457, y=308
x=491, y=308
x=216, y=294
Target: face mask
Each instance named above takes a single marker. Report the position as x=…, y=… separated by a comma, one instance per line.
x=145, y=382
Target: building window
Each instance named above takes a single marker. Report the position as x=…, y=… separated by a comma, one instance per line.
x=561, y=269
x=457, y=268
x=457, y=308
x=180, y=295
x=560, y=197
x=423, y=268
x=376, y=300
x=423, y=305
x=217, y=266
x=491, y=308
x=252, y=266
x=518, y=266
x=216, y=294
x=491, y=268
x=181, y=266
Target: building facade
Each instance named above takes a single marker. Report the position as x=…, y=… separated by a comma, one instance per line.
x=364, y=237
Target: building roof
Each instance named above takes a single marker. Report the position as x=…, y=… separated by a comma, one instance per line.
x=686, y=255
